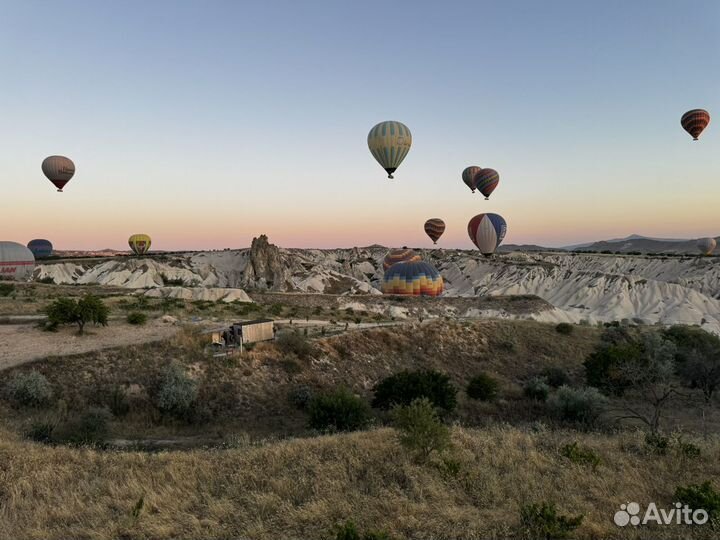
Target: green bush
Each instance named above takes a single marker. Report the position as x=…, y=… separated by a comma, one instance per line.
x=29, y=389
x=294, y=343
x=338, y=410
x=578, y=405
x=603, y=367
x=137, y=318
x=117, y=401
x=90, y=428
x=582, y=455
x=698, y=496
x=349, y=531
x=300, y=397
x=688, y=450
x=555, y=377
x=177, y=393
x=657, y=444
x=421, y=430
x=543, y=522
x=89, y=309
x=537, y=389
x=6, y=289
x=405, y=387
x=564, y=328
x=483, y=387
x=41, y=431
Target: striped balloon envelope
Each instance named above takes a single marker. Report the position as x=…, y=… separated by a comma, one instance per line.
x=399, y=255
x=706, y=245
x=416, y=278
x=487, y=232
x=59, y=170
x=695, y=121
x=139, y=243
x=468, y=176
x=40, y=248
x=486, y=180
x=389, y=143
x=434, y=228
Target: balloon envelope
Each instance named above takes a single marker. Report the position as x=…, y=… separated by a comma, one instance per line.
x=40, y=248
x=416, y=278
x=434, y=228
x=468, y=176
x=389, y=142
x=399, y=255
x=706, y=245
x=59, y=170
x=16, y=261
x=487, y=232
x=695, y=121
x=486, y=180
x=139, y=243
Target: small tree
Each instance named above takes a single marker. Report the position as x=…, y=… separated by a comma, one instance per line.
x=338, y=410
x=30, y=389
x=578, y=405
x=697, y=357
x=177, y=393
x=421, y=430
x=68, y=311
x=482, y=387
x=406, y=386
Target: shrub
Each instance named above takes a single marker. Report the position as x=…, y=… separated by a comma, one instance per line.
x=137, y=318
x=687, y=449
x=300, y=397
x=537, y=389
x=703, y=496
x=421, y=430
x=349, y=531
x=117, y=401
x=178, y=392
x=339, y=410
x=564, y=328
x=68, y=311
x=603, y=367
x=294, y=343
x=581, y=455
x=30, y=389
x=578, y=405
x=542, y=521
x=6, y=289
x=91, y=427
x=657, y=443
x=41, y=431
x=555, y=377
x=482, y=387
x=406, y=386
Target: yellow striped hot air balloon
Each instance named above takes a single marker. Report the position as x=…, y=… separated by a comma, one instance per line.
x=389, y=142
x=139, y=243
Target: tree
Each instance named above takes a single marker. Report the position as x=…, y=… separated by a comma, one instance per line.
x=406, y=386
x=338, y=410
x=421, y=430
x=698, y=358
x=68, y=311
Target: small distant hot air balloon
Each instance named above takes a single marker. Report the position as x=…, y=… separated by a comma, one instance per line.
x=59, y=170
x=695, y=121
x=40, y=248
x=706, y=245
x=468, y=176
x=139, y=243
x=389, y=143
x=487, y=232
x=434, y=228
x=399, y=255
x=486, y=180
x=413, y=278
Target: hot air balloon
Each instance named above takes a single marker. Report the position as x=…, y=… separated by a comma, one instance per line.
x=399, y=255
x=389, y=143
x=139, y=243
x=706, y=245
x=487, y=232
x=486, y=180
x=416, y=278
x=695, y=121
x=468, y=176
x=59, y=170
x=434, y=228
x=16, y=261
x=40, y=248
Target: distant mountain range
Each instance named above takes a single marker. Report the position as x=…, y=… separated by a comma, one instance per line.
x=629, y=244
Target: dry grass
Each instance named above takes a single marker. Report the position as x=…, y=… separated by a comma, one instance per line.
x=303, y=488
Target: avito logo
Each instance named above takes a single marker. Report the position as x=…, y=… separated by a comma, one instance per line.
x=629, y=514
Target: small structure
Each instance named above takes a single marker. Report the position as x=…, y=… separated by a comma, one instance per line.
x=226, y=340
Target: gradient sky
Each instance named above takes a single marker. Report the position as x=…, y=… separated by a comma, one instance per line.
x=206, y=123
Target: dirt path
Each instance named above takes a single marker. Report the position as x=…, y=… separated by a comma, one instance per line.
x=22, y=343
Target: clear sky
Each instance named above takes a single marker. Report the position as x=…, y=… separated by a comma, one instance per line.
x=206, y=123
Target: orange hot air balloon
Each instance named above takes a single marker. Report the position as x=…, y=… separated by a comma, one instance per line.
x=695, y=121
x=434, y=228
x=59, y=170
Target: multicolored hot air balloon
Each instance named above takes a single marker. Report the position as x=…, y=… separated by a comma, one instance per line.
x=16, y=261
x=486, y=180
x=389, y=143
x=416, y=278
x=40, y=248
x=695, y=121
x=139, y=243
x=487, y=232
x=399, y=255
x=706, y=245
x=59, y=170
x=468, y=176
x=434, y=228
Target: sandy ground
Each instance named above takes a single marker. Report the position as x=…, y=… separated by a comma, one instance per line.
x=24, y=343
